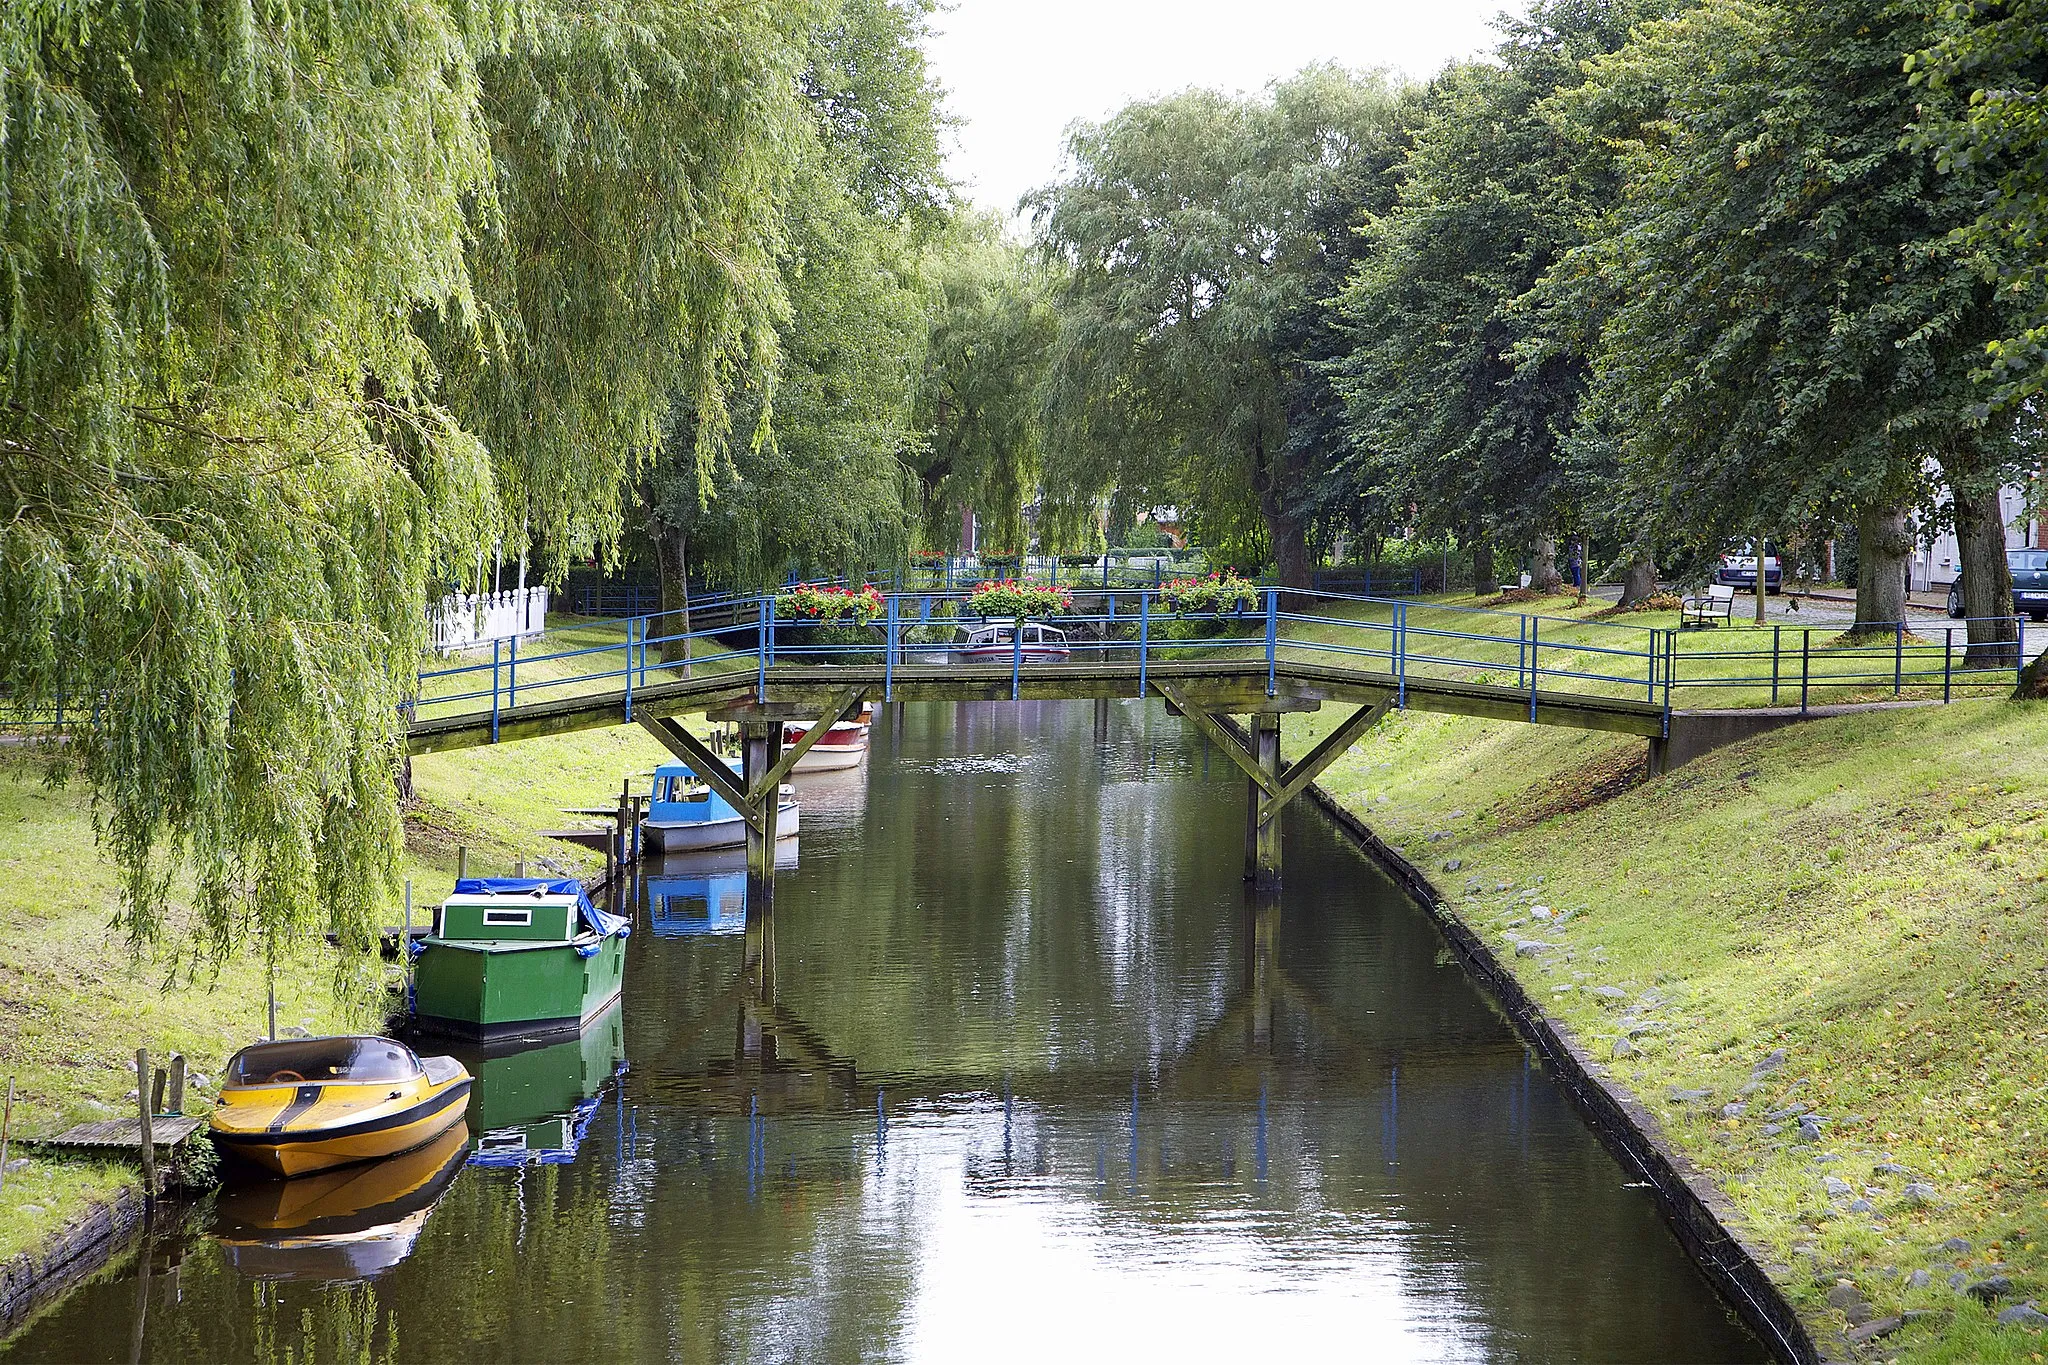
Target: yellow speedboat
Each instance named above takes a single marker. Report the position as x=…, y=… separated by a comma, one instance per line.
x=313, y=1103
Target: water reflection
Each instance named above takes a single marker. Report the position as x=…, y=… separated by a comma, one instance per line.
x=342, y=1225
x=1017, y=1068
x=534, y=1104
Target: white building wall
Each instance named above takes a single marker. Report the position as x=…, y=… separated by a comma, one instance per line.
x=1938, y=561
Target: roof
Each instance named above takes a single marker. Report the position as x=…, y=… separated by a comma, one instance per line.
x=599, y=922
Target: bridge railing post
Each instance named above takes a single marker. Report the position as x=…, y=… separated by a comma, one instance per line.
x=1948, y=657
x=1805, y=666
x=1535, y=660
x=629, y=667
x=1144, y=637
x=1016, y=653
x=764, y=639
x=889, y=655
x=1272, y=641
x=1522, y=653
x=1776, y=631
x=1650, y=659
x=1401, y=654
x=512, y=672
x=1898, y=657
x=494, y=690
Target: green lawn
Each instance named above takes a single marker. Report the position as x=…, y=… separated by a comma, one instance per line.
x=1868, y=893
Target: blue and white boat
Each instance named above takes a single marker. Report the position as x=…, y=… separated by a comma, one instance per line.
x=686, y=815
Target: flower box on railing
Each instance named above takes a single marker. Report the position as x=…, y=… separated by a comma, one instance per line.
x=1010, y=598
x=820, y=602
x=1217, y=594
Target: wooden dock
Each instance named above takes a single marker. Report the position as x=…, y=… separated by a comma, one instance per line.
x=166, y=1130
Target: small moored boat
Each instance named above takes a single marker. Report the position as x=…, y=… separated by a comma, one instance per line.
x=518, y=957
x=308, y=1104
x=684, y=815
x=842, y=746
x=1001, y=639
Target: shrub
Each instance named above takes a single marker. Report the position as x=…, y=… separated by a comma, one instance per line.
x=1010, y=597
x=823, y=602
x=1218, y=592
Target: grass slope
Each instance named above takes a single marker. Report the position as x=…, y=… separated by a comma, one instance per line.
x=1868, y=894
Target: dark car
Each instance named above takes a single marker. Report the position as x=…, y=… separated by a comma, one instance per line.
x=2029, y=585
x=1738, y=570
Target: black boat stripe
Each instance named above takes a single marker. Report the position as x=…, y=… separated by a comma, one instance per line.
x=424, y=1109
x=306, y=1098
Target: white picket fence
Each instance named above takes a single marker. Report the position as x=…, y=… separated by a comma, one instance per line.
x=464, y=621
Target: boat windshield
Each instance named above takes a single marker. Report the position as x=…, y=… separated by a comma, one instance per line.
x=316, y=1061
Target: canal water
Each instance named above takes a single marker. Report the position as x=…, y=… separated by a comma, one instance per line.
x=1016, y=1070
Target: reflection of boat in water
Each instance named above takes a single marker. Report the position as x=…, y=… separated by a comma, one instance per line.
x=703, y=893
x=531, y=1105
x=684, y=815
x=307, y=1104
x=345, y=1224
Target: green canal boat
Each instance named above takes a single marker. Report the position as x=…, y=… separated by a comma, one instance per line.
x=517, y=957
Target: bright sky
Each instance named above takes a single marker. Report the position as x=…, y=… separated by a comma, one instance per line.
x=1019, y=71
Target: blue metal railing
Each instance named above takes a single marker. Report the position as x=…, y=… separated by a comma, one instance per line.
x=1402, y=644
x=1406, y=643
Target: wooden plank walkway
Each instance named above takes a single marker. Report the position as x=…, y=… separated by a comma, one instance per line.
x=167, y=1130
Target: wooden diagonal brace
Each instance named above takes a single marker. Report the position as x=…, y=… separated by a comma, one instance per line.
x=838, y=709
x=713, y=770
x=1309, y=766
x=1218, y=736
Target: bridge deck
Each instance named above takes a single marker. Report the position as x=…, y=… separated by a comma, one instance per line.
x=1221, y=685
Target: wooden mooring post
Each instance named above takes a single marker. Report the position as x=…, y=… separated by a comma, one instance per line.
x=142, y=1105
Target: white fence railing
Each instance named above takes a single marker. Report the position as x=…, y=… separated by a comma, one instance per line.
x=462, y=621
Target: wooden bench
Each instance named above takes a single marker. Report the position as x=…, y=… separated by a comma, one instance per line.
x=1702, y=611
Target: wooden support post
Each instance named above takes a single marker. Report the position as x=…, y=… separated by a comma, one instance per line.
x=148, y=1128
x=763, y=749
x=176, y=1102
x=157, y=1084
x=1262, y=821
x=1102, y=720
x=461, y=861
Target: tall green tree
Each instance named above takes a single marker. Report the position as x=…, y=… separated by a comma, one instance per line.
x=1991, y=58
x=1190, y=234
x=1796, y=330
x=991, y=327
x=815, y=472
x=1461, y=384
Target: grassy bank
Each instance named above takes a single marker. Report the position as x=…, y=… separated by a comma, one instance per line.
x=76, y=1000
x=1867, y=896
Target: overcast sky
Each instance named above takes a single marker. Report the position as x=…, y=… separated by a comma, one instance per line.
x=1018, y=71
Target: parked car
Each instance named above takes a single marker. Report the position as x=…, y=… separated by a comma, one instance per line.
x=1738, y=570
x=2029, y=585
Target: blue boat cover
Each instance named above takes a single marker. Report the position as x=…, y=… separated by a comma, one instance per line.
x=599, y=923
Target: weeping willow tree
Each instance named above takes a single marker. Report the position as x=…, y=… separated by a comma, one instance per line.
x=291, y=295
x=628, y=257
x=809, y=467
x=978, y=397
x=225, y=475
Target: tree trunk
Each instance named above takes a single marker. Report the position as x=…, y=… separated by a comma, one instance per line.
x=1484, y=583
x=1638, y=581
x=1883, y=542
x=1993, y=631
x=1285, y=526
x=1543, y=575
x=672, y=554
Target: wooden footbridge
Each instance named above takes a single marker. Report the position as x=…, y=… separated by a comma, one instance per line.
x=1301, y=652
